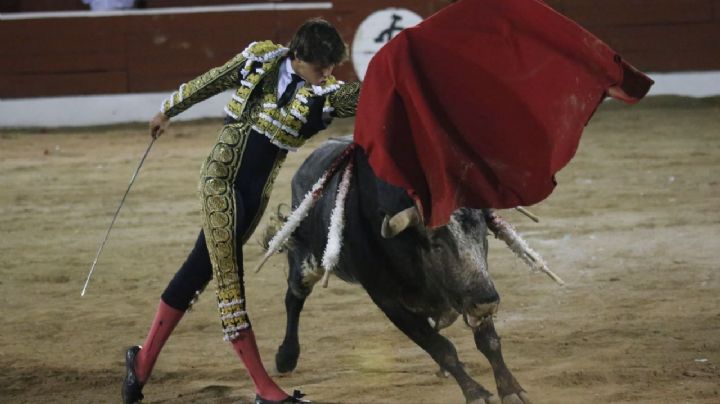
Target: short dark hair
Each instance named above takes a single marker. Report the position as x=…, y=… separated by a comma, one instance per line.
x=318, y=42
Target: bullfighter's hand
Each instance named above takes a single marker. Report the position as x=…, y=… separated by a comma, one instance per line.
x=159, y=124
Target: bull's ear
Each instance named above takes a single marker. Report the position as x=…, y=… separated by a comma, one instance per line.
x=392, y=226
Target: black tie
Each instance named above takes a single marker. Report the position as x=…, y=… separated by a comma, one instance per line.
x=289, y=90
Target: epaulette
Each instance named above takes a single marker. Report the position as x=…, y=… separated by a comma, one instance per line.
x=263, y=51
x=332, y=84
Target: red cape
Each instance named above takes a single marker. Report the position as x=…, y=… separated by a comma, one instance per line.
x=482, y=103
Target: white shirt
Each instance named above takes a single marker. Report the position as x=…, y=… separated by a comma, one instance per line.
x=285, y=77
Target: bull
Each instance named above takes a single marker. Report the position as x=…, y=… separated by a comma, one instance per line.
x=422, y=279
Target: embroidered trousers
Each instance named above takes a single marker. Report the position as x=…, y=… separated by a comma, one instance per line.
x=235, y=185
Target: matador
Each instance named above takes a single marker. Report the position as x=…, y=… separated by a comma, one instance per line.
x=282, y=96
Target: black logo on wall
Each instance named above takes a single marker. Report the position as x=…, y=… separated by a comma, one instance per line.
x=389, y=32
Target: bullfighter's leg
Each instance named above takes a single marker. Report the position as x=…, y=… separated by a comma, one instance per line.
x=235, y=185
x=298, y=290
x=488, y=342
x=185, y=287
x=440, y=348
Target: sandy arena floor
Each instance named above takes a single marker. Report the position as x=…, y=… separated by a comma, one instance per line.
x=633, y=228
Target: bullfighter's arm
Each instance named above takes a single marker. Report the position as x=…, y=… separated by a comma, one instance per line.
x=344, y=100
x=212, y=82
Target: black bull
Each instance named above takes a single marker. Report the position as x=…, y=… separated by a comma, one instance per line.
x=421, y=279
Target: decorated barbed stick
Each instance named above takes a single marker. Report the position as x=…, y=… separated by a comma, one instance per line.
x=527, y=213
x=301, y=212
x=294, y=220
x=122, y=201
x=337, y=223
x=505, y=232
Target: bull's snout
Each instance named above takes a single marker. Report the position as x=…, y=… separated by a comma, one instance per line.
x=484, y=309
x=476, y=313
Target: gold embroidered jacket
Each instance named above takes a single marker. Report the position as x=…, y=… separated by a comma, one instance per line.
x=287, y=127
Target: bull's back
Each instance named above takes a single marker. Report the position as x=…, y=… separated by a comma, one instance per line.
x=364, y=252
x=315, y=165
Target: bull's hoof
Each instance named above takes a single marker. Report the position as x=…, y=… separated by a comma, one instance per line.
x=519, y=398
x=286, y=358
x=485, y=400
x=478, y=395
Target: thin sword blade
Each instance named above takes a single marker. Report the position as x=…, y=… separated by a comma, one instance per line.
x=122, y=201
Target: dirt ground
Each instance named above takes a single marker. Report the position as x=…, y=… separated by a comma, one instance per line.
x=633, y=228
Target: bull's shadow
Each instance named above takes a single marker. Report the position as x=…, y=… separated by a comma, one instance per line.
x=423, y=280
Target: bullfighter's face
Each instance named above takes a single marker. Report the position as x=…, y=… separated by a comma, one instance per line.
x=312, y=73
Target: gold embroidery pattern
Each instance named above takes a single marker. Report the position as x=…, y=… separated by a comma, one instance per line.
x=218, y=207
x=219, y=219
x=344, y=101
x=225, y=77
x=280, y=125
x=254, y=108
x=203, y=87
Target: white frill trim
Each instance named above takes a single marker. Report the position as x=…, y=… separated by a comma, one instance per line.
x=232, y=114
x=180, y=92
x=264, y=57
x=322, y=90
x=235, y=314
x=232, y=333
x=238, y=98
x=328, y=109
x=302, y=98
x=279, y=124
x=171, y=100
x=273, y=140
x=269, y=105
x=246, y=69
x=294, y=112
x=230, y=303
x=337, y=223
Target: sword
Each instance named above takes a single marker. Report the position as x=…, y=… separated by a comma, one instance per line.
x=122, y=201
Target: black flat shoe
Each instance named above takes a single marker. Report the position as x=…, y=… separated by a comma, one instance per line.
x=131, y=387
x=295, y=398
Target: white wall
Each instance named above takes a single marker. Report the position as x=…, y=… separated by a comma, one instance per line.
x=112, y=109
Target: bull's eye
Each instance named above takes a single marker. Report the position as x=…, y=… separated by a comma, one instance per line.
x=437, y=248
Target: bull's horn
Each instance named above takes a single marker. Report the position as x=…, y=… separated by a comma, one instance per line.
x=392, y=226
